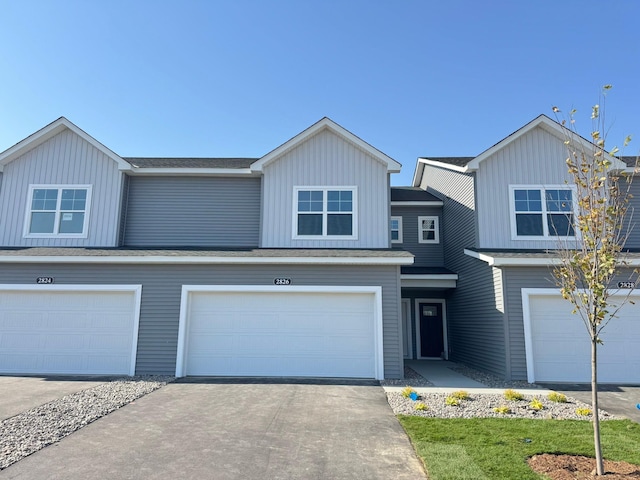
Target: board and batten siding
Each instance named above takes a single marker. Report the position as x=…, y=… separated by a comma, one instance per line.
x=162, y=288
x=536, y=158
x=325, y=159
x=193, y=211
x=65, y=159
x=426, y=254
x=475, y=317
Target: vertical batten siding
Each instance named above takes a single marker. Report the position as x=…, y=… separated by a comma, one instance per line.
x=193, y=211
x=475, y=322
x=326, y=159
x=536, y=158
x=65, y=159
x=162, y=287
x=426, y=254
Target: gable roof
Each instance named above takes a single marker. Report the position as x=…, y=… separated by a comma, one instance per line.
x=179, y=162
x=471, y=164
x=413, y=195
x=51, y=130
x=326, y=124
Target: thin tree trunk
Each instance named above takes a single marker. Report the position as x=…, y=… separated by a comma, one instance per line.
x=594, y=404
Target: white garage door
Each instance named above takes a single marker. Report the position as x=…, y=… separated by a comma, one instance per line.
x=68, y=329
x=559, y=349
x=280, y=333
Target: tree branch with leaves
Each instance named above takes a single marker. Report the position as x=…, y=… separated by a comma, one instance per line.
x=591, y=264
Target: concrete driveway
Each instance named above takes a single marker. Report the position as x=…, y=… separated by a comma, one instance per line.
x=618, y=400
x=22, y=393
x=236, y=431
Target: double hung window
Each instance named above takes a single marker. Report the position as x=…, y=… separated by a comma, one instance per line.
x=58, y=211
x=396, y=229
x=428, y=230
x=325, y=212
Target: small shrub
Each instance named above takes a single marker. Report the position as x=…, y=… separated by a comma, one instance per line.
x=461, y=395
x=407, y=391
x=452, y=401
x=421, y=406
x=557, y=397
x=502, y=410
x=513, y=395
x=536, y=404
x=584, y=412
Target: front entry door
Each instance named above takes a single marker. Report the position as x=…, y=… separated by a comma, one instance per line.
x=431, y=333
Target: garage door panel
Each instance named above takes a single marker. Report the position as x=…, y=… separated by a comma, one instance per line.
x=15, y=362
x=560, y=344
x=280, y=334
x=68, y=331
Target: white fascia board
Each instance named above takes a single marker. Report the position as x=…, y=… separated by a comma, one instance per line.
x=417, y=173
x=530, y=262
x=549, y=125
x=448, y=166
x=227, y=172
x=512, y=262
x=50, y=131
x=209, y=260
x=431, y=276
x=432, y=203
x=327, y=123
x=417, y=283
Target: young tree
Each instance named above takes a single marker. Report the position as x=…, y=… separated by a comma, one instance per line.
x=590, y=267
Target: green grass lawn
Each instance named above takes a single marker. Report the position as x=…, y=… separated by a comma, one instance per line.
x=498, y=448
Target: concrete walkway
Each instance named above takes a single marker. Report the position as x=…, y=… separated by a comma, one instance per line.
x=229, y=431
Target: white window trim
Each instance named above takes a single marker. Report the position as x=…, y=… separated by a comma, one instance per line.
x=436, y=227
x=399, y=219
x=325, y=189
x=544, y=213
x=87, y=211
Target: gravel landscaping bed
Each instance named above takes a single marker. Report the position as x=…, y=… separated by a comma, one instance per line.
x=34, y=429
x=482, y=405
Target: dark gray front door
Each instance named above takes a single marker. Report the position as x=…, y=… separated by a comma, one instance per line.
x=431, y=333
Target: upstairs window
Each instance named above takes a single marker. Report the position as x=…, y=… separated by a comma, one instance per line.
x=428, y=230
x=540, y=213
x=325, y=212
x=58, y=211
x=396, y=229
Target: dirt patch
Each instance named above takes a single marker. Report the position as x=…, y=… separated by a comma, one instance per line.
x=571, y=467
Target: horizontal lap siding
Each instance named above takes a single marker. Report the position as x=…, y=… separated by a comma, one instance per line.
x=193, y=211
x=162, y=287
x=426, y=254
x=65, y=159
x=475, y=321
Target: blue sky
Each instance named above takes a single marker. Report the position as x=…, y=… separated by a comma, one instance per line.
x=239, y=77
